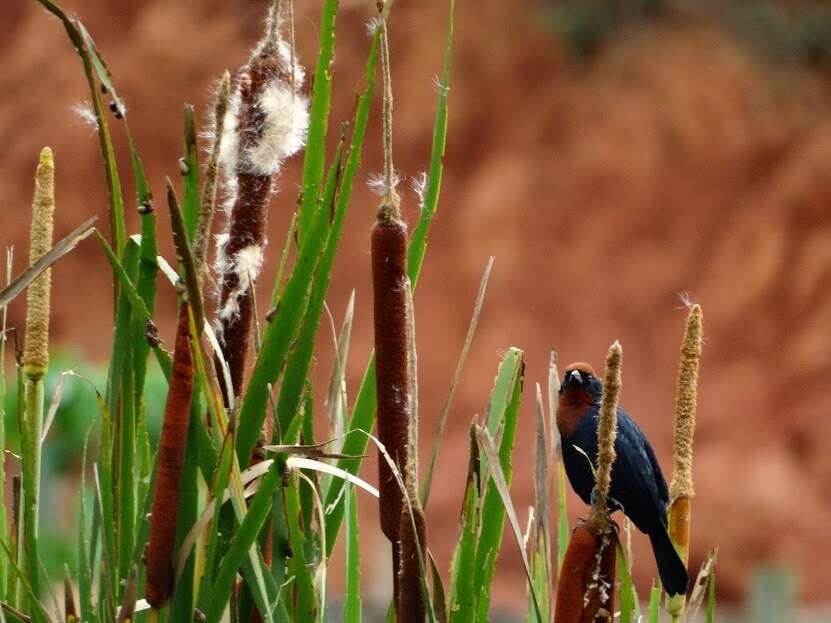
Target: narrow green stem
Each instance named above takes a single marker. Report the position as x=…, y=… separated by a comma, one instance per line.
x=33, y=427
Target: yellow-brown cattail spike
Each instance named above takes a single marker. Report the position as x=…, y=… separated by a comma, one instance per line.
x=36, y=358
x=681, y=488
x=585, y=589
x=36, y=347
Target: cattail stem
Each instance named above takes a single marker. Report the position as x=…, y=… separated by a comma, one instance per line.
x=36, y=360
x=585, y=589
x=606, y=434
x=171, y=454
x=681, y=488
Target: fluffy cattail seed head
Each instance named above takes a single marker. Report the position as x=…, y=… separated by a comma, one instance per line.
x=36, y=347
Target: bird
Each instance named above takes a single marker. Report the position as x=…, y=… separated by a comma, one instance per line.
x=638, y=488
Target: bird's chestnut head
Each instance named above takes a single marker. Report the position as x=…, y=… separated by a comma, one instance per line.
x=581, y=377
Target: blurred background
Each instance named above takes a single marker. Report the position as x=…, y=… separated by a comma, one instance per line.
x=610, y=155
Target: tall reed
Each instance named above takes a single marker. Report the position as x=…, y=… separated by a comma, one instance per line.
x=686, y=402
x=35, y=361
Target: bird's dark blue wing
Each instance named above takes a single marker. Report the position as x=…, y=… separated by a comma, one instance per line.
x=637, y=482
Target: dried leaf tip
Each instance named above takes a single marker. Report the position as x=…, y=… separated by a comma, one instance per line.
x=36, y=347
x=685, y=405
x=606, y=434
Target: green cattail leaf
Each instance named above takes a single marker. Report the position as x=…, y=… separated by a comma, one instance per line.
x=315, y=157
x=418, y=242
x=457, y=375
x=654, y=605
x=352, y=596
x=711, y=598
x=462, y=569
x=94, y=66
x=190, y=175
x=294, y=377
x=628, y=596
x=504, y=414
x=241, y=543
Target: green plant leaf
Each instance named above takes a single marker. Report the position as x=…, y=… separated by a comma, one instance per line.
x=314, y=161
x=504, y=415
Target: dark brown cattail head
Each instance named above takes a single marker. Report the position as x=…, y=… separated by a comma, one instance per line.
x=265, y=122
x=389, y=280
x=171, y=455
x=585, y=588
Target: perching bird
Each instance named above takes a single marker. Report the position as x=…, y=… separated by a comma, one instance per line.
x=638, y=488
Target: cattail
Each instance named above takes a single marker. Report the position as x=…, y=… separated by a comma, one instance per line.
x=171, y=455
x=36, y=347
x=265, y=123
x=686, y=400
x=585, y=590
x=35, y=358
x=389, y=279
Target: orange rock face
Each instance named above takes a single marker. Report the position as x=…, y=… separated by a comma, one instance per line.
x=675, y=160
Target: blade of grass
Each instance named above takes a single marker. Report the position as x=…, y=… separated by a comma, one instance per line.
x=504, y=414
x=3, y=338
x=297, y=368
x=241, y=542
x=457, y=375
x=654, y=604
x=462, y=569
x=563, y=531
x=315, y=158
x=500, y=481
x=93, y=65
x=190, y=174
x=352, y=593
x=64, y=246
x=628, y=596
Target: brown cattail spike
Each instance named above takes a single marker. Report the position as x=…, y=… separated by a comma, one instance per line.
x=606, y=434
x=685, y=405
x=171, y=455
x=389, y=278
x=36, y=347
x=585, y=587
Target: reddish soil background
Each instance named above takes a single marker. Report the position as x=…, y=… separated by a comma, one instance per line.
x=674, y=160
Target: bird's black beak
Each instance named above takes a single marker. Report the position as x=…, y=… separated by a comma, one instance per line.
x=572, y=378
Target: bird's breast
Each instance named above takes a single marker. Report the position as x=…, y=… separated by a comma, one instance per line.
x=573, y=406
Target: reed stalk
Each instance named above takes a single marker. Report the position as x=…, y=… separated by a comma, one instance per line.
x=681, y=487
x=35, y=362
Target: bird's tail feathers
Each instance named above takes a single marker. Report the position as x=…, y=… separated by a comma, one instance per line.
x=670, y=566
